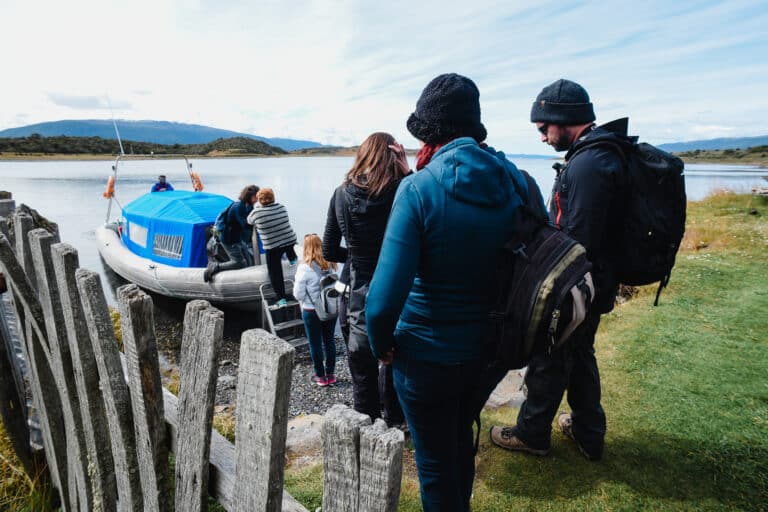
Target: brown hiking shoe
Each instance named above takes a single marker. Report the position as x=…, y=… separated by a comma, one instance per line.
x=565, y=422
x=505, y=437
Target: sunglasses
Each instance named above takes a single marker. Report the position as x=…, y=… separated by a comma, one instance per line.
x=543, y=128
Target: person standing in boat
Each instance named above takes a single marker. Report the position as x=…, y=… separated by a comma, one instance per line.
x=236, y=237
x=358, y=211
x=307, y=291
x=162, y=185
x=274, y=227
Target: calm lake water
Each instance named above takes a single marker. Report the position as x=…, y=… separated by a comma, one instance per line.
x=69, y=192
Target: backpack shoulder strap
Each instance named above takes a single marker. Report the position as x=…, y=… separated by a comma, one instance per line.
x=620, y=149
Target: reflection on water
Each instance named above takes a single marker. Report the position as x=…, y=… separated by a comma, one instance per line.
x=69, y=192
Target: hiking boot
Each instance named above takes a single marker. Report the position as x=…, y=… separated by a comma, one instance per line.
x=330, y=378
x=210, y=270
x=565, y=422
x=320, y=381
x=506, y=438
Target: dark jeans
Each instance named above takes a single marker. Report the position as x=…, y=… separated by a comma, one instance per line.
x=321, y=342
x=440, y=404
x=572, y=368
x=239, y=257
x=275, y=268
x=371, y=388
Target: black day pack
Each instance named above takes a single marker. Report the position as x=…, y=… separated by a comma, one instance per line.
x=654, y=212
x=544, y=287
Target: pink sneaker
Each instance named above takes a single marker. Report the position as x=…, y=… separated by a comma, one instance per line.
x=320, y=381
x=330, y=379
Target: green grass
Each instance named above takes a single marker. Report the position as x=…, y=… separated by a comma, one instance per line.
x=685, y=391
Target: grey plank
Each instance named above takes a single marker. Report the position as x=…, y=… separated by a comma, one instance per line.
x=101, y=471
x=138, y=327
x=341, y=458
x=203, y=331
x=117, y=399
x=381, y=467
x=45, y=393
x=263, y=393
x=80, y=490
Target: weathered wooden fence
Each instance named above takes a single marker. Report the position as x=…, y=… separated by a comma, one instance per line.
x=107, y=423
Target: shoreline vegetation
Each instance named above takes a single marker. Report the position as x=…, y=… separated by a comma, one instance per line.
x=36, y=147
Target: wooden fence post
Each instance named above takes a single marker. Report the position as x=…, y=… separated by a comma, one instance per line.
x=263, y=395
x=12, y=405
x=45, y=393
x=203, y=332
x=381, y=467
x=117, y=399
x=80, y=490
x=138, y=327
x=101, y=471
x=22, y=225
x=341, y=458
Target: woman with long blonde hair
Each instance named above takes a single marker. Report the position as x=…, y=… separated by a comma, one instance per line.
x=359, y=211
x=322, y=346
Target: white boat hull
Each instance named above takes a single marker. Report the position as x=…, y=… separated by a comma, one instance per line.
x=234, y=288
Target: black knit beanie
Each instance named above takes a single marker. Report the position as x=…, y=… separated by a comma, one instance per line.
x=562, y=102
x=449, y=107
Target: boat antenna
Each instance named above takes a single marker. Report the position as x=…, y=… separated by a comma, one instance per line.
x=114, y=123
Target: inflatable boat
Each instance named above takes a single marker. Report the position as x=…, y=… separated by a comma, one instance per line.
x=159, y=243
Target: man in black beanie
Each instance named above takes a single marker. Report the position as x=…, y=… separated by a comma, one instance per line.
x=586, y=204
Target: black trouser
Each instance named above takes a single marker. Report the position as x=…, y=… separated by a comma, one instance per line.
x=275, y=267
x=371, y=387
x=572, y=368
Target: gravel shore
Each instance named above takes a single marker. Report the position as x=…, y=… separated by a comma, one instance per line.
x=306, y=397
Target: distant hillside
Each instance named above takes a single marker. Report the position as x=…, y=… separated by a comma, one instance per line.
x=757, y=155
x=64, y=145
x=158, y=132
x=711, y=144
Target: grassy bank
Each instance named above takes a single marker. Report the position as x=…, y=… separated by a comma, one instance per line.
x=684, y=390
x=752, y=156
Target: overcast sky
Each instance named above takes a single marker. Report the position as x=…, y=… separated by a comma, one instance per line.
x=335, y=71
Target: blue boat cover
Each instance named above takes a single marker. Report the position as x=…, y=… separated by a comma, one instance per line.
x=169, y=227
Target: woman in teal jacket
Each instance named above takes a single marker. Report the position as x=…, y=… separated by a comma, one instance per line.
x=429, y=300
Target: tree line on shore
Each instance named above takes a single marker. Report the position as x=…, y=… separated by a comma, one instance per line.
x=67, y=145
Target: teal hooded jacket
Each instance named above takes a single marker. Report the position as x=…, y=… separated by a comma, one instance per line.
x=431, y=292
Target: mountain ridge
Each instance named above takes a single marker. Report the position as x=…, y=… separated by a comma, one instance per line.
x=158, y=132
x=717, y=143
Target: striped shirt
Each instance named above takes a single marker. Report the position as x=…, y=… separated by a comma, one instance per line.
x=273, y=225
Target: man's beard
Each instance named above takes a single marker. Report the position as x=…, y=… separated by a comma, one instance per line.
x=562, y=143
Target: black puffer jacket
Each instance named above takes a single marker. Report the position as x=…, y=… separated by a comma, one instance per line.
x=367, y=222
x=587, y=199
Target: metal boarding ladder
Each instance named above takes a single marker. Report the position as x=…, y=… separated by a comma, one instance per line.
x=284, y=322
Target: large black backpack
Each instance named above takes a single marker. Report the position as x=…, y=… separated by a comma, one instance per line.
x=543, y=287
x=654, y=212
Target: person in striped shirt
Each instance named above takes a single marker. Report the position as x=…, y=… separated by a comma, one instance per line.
x=277, y=235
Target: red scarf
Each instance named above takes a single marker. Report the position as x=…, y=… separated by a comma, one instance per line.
x=427, y=151
x=425, y=154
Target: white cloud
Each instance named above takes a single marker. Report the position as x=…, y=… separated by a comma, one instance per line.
x=337, y=71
